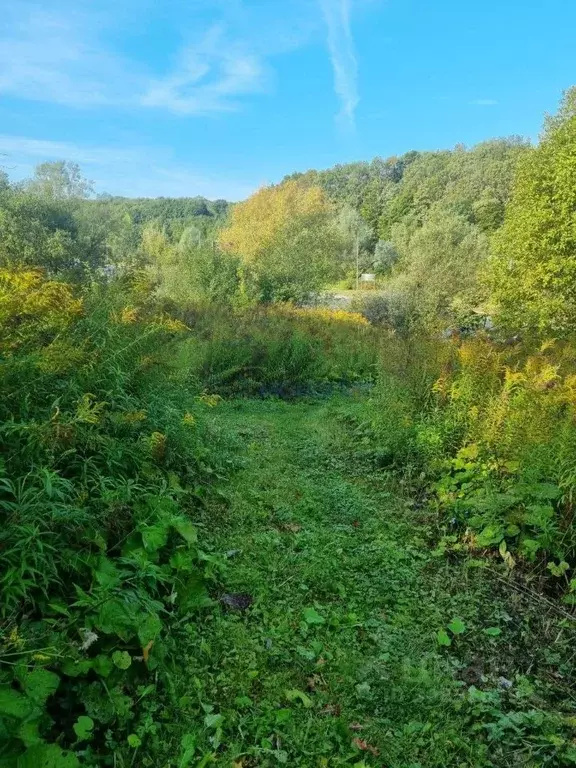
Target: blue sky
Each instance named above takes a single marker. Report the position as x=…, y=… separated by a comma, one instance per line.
x=217, y=97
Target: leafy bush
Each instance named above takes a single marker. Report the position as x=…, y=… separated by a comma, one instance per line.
x=104, y=461
x=394, y=309
x=513, y=475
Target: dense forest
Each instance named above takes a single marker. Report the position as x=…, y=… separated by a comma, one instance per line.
x=147, y=347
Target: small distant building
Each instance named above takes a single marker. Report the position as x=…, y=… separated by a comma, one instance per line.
x=367, y=280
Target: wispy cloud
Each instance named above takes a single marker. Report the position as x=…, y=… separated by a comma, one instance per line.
x=343, y=58
x=135, y=172
x=69, y=54
x=42, y=149
x=54, y=56
x=208, y=76
x=483, y=102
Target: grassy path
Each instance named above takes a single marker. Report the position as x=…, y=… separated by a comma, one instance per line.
x=336, y=661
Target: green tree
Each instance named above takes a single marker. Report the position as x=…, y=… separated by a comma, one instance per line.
x=357, y=239
x=60, y=180
x=191, y=271
x=35, y=232
x=385, y=256
x=532, y=274
x=438, y=268
x=287, y=240
x=298, y=262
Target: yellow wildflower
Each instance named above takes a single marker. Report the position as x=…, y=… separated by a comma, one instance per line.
x=40, y=657
x=133, y=417
x=157, y=442
x=210, y=400
x=171, y=324
x=88, y=411
x=128, y=315
x=188, y=419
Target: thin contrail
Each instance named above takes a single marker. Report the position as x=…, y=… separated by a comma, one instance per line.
x=341, y=47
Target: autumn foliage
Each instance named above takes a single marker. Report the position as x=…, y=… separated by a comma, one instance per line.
x=257, y=222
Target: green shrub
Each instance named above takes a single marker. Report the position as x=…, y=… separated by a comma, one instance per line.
x=104, y=460
x=499, y=437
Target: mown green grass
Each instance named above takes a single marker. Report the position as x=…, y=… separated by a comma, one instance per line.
x=337, y=660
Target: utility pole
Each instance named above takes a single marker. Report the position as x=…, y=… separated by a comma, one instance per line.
x=357, y=260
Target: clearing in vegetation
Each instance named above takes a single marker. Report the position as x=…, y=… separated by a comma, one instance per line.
x=343, y=637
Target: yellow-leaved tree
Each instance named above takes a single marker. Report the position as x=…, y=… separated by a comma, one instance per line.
x=287, y=240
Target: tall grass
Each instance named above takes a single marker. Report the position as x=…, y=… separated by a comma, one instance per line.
x=279, y=350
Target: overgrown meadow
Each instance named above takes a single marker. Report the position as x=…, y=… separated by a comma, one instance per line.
x=127, y=325
x=107, y=463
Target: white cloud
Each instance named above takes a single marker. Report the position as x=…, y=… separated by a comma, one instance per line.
x=68, y=54
x=54, y=56
x=41, y=149
x=483, y=102
x=134, y=172
x=343, y=58
x=207, y=77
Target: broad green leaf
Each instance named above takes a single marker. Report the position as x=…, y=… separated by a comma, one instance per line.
x=29, y=733
x=193, y=593
x=529, y=548
x=311, y=616
x=558, y=569
x=149, y=627
x=60, y=608
x=296, y=695
x=185, y=528
x=102, y=665
x=121, y=659
x=83, y=728
x=154, y=537
x=116, y=618
x=443, y=638
x=457, y=626
x=14, y=704
x=134, y=741
x=76, y=667
x=492, y=534
x=213, y=721
x=39, y=684
x=243, y=701
x=107, y=574
x=492, y=631
x=188, y=747
x=181, y=560
x=47, y=756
